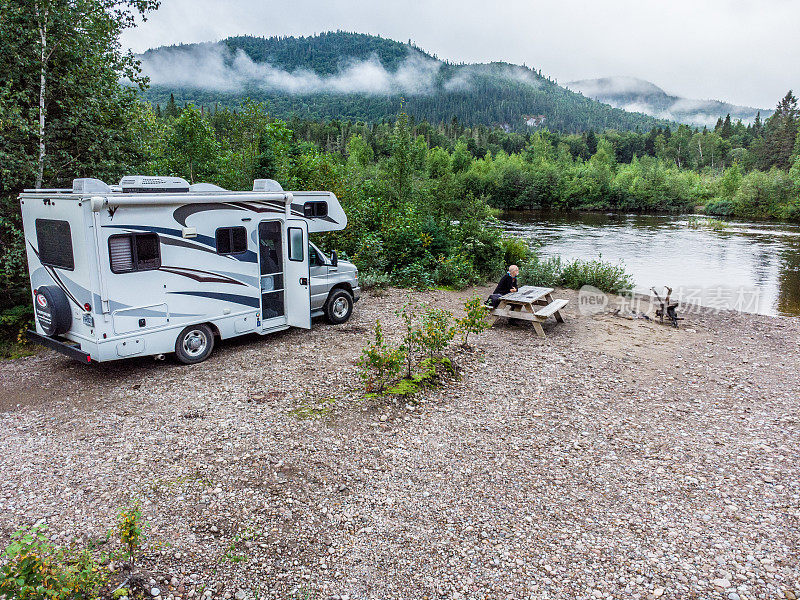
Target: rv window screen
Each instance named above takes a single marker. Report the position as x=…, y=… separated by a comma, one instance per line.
x=231, y=240
x=295, y=244
x=55, y=244
x=134, y=252
x=315, y=208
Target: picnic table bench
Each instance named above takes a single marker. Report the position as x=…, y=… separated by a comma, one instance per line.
x=529, y=303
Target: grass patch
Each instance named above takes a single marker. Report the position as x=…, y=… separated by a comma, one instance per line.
x=316, y=410
x=430, y=370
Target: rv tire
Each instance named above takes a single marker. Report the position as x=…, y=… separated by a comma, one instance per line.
x=194, y=344
x=339, y=306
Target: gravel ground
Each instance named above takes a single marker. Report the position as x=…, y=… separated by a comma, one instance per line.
x=616, y=459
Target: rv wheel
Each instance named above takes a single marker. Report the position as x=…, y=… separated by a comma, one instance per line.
x=339, y=306
x=194, y=344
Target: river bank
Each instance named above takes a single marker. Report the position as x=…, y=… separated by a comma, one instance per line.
x=618, y=458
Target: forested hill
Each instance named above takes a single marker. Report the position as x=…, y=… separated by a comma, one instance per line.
x=353, y=76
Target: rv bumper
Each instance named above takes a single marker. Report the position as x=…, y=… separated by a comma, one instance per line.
x=73, y=351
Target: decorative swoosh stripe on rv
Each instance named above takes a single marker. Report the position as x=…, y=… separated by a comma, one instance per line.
x=235, y=298
x=201, y=276
x=56, y=279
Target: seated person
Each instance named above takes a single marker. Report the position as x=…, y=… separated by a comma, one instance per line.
x=506, y=285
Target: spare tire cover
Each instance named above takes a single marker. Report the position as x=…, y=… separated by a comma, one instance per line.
x=52, y=310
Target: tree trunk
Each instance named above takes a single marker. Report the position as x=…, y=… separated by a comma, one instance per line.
x=42, y=18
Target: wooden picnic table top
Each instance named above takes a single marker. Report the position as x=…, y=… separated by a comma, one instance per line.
x=526, y=294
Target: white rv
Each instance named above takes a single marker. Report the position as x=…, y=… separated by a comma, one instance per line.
x=155, y=265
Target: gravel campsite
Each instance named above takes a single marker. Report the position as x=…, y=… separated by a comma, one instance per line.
x=618, y=458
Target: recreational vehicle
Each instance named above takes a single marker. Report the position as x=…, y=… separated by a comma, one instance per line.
x=155, y=265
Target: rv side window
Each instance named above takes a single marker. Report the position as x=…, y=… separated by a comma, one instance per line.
x=231, y=240
x=134, y=252
x=315, y=208
x=55, y=244
x=295, y=244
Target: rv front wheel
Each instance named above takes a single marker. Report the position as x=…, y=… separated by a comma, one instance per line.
x=339, y=306
x=194, y=344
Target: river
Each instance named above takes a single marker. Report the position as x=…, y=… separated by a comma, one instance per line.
x=748, y=266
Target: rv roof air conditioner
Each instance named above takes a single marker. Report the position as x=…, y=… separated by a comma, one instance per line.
x=89, y=186
x=145, y=184
x=266, y=185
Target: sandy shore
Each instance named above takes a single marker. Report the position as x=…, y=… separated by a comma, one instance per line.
x=616, y=459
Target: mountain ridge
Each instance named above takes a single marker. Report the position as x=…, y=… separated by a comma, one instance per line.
x=355, y=76
x=632, y=93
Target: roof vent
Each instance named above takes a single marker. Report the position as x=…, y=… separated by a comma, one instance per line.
x=89, y=186
x=144, y=184
x=266, y=185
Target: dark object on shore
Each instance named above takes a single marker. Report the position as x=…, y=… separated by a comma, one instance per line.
x=667, y=309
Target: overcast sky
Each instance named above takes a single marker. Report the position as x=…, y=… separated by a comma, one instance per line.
x=741, y=51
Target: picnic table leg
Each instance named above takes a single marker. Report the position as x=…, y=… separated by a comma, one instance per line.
x=539, y=329
x=557, y=314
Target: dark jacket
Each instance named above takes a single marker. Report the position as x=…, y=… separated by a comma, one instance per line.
x=506, y=283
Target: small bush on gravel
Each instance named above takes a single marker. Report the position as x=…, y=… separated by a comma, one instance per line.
x=35, y=569
x=130, y=527
x=421, y=353
x=474, y=319
x=380, y=362
x=436, y=331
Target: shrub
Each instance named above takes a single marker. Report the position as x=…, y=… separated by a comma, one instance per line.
x=474, y=319
x=379, y=363
x=720, y=206
x=414, y=275
x=554, y=272
x=436, y=331
x=545, y=272
x=374, y=280
x=516, y=251
x=131, y=529
x=600, y=274
x=35, y=569
x=455, y=272
x=13, y=323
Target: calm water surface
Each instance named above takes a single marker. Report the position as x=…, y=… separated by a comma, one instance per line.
x=750, y=266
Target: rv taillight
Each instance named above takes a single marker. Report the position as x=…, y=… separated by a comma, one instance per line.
x=88, y=359
x=87, y=307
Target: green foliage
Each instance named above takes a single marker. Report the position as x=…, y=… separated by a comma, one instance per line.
x=130, y=528
x=192, y=148
x=425, y=339
x=554, y=272
x=34, y=569
x=474, y=320
x=598, y=273
x=515, y=251
x=380, y=362
x=436, y=331
x=698, y=223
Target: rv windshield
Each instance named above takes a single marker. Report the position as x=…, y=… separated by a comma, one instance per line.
x=315, y=256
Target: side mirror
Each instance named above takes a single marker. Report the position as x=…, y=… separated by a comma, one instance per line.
x=334, y=258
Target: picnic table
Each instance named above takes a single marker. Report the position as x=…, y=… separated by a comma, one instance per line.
x=529, y=303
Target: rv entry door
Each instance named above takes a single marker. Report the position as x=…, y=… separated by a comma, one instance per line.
x=298, y=289
x=270, y=258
